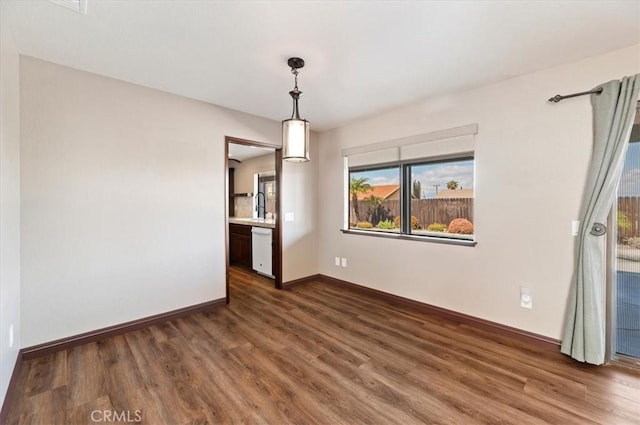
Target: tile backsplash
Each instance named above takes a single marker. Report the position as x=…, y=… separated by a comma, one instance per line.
x=243, y=206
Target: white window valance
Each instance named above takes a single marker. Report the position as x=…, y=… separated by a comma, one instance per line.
x=441, y=143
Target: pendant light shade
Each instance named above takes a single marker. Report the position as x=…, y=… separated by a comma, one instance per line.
x=295, y=130
x=295, y=140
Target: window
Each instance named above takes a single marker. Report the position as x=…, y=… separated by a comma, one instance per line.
x=435, y=197
x=441, y=198
x=417, y=188
x=374, y=199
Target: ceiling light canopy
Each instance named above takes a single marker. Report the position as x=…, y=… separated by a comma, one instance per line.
x=295, y=130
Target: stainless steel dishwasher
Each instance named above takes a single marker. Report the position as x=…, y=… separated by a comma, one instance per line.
x=261, y=238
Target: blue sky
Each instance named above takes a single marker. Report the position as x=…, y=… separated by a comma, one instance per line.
x=630, y=182
x=462, y=172
x=428, y=175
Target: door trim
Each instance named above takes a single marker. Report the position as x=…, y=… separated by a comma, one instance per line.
x=611, y=282
x=277, y=242
x=612, y=356
x=611, y=291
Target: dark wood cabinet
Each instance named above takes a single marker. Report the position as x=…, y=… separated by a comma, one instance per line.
x=240, y=245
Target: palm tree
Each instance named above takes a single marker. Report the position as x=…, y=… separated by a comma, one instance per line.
x=416, y=189
x=356, y=187
x=452, y=185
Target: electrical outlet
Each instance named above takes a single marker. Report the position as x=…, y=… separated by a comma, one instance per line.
x=338, y=261
x=526, y=299
x=11, y=336
x=344, y=262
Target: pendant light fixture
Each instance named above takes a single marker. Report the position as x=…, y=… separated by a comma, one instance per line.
x=295, y=130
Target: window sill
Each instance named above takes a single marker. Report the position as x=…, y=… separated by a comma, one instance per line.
x=448, y=241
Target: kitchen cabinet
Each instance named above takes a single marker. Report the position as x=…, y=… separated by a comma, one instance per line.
x=240, y=245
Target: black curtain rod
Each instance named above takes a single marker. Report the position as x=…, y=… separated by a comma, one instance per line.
x=557, y=98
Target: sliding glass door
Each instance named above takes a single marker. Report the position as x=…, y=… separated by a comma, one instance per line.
x=625, y=288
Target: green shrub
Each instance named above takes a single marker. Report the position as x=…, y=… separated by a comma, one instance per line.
x=386, y=224
x=415, y=224
x=364, y=225
x=437, y=227
x=461, y=225
x=623, y=221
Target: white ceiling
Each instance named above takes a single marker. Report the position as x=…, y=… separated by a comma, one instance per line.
x=361, y=57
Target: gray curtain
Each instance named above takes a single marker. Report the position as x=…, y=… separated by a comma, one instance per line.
x=613, y=113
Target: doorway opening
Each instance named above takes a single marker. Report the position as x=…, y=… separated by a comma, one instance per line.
x=252, y=205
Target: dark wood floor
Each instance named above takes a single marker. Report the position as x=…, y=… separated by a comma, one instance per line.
x=319, y=354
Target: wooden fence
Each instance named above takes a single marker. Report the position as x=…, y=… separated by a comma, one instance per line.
x=628, y=212
x=444, y=210
x=427, y=210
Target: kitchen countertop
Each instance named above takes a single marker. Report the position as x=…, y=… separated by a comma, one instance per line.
x=258, y=222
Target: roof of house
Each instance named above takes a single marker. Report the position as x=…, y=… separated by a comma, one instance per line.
x=382, y=191
x=455, y=193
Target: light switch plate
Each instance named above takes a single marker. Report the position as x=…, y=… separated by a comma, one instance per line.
x=288, y=216
x=526, y=299
x=575, y=227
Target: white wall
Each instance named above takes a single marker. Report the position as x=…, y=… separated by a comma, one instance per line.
x=9, y=205
x=531, y=159
x=123, y=200
x=243, y=174
x=301, y=197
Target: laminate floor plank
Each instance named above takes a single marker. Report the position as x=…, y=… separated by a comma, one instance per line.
x=483, y=355
x=437, y=408
x=299, y=336
x=43, y=377
x=176, y=403
x=551, y=391
x=257, y=334
x=86, y=375
x=225, y=404
x=318, y=354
